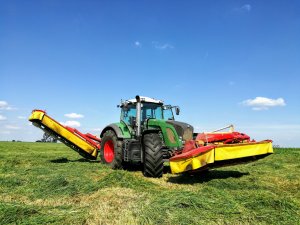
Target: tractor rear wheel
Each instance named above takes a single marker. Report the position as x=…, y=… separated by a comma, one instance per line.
x=111, y=150
x=153, y=155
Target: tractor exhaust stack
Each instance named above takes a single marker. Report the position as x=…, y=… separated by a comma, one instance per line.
x=138, y=115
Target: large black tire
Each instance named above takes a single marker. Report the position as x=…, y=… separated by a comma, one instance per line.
x=153, y=155
x=111, y=150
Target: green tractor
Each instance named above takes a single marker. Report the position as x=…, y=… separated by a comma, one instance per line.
x=147, y=135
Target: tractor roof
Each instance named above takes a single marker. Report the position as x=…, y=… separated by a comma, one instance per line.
x=145, y=99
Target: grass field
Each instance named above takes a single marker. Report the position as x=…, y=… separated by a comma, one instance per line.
x=49, y=183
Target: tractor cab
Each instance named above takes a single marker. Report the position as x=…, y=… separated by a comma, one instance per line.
x=143, y=114
x=150, y=109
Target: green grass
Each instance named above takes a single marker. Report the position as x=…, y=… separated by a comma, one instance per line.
x=49, y=183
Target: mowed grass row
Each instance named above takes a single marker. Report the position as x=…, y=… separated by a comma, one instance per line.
x=49, y=183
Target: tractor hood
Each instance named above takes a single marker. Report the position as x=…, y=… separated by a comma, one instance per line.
x=183, y=130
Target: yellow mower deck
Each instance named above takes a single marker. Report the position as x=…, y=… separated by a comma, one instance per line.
x=42, y=120
x=220, y=155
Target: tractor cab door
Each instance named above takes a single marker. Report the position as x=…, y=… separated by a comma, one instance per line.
x=151, y=111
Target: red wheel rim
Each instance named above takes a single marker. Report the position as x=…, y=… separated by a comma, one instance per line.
x=109, y=152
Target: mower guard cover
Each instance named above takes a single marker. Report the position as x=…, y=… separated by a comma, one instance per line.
x=219, y=155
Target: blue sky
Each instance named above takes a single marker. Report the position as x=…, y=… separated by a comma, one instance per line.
x=223, y=62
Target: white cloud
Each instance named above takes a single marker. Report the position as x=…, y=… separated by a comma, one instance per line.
x=5, y=132
x=71, y=123
x=21, y=117
x=10, y=108
x=74, y=115
x=2, y=118
x=162, y=46
x=12, y=127
x=262, y=103
x=4, y=106
x=137, y=44
x=246, y=7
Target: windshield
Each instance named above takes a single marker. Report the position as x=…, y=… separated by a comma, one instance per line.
x=149, y=110
x=168, y=114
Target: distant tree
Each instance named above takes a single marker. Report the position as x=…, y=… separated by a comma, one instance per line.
x=48, y=138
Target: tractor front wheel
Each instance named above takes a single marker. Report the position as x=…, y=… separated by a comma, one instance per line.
x=153, y=155
x=111, y=150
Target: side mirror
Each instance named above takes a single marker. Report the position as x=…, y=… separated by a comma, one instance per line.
x=177, y=110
